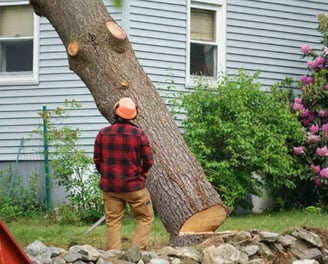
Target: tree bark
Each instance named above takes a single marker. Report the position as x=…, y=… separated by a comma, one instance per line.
x=100, y=53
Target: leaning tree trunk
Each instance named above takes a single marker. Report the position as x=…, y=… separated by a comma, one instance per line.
x=100, y=53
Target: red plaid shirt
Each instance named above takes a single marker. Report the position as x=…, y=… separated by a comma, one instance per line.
x=123, y=156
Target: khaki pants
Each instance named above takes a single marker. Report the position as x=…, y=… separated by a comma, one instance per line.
x=142, y=209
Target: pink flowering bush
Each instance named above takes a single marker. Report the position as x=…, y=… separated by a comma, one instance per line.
x=311, y=108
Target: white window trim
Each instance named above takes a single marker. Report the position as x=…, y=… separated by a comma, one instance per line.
x=32, y=78
x=220, y=7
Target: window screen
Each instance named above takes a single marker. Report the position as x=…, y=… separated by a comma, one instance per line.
x=16, y=39
x=203, y=47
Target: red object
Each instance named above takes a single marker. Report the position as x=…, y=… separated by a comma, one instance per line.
x=10, y=251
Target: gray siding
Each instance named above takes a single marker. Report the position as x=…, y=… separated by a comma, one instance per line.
x=158, y=33
x=20, y=104
x=157, y=30
x=261, y=34
x=267, y=35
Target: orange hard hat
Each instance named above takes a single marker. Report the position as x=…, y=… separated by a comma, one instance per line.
x=126, y=108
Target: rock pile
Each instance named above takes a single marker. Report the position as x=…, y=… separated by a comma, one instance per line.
x=297, y=246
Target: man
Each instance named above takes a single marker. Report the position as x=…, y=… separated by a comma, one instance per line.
x=123, y=157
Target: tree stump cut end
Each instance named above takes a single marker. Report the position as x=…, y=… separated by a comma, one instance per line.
x=204, y=221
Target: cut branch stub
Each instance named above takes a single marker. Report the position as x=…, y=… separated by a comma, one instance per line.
x=73, y=48
x=116, y=30
x=124, y=84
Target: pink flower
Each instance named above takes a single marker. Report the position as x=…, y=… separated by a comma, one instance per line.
x=298, y=100
x=315, y=168
x=314, y=128
x=306, y=80
x=298, y=104
x=318, y=63
x=326, y=86
x=310, y=80
x=305, y=122
x=311, y=117
x=318, y=181
x=311, y=64
x=305, y=113
x=313, y=139
x=298, y=107
x=324, y=128
x=306, y=117
x=322, y=152
x=303, y=78
x=325, y=50
x=306, y=49
x=322, y=113
x=298, y=150
x=324, y=173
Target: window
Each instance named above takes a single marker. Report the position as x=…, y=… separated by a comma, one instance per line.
x=206, y=50
x=17, y=44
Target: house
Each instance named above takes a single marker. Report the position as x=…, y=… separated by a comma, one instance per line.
x=173, y=40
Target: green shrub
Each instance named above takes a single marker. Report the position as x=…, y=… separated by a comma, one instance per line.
x=20, y=199
x=70, y=166
x=241, y=136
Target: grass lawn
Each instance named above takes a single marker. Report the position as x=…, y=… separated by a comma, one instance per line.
x=61, y=235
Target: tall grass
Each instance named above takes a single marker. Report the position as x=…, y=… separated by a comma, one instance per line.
x=65, y=235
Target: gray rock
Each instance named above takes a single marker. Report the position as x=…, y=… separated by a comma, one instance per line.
x=286, y=240
x=121, y=261
x=159, y=261
x=266, y=251
x=325, y=257
x=102, y=261
x=189, y=253
x=109, y=254
x=57, y=251
x=181, y=252
x=253, y=247
x=37, y=251
x=257, y=261
x=268, y=237
x=224, y=254
x=213, y=241
x=301, y=251
x=58, y=260
x=72, y=256
x=277, y=247
x=308, y=236
x=175, y=261
x=147, y=256
x=86, y=251
x=251, y=250
x=132, y=254
x=236, y=238
x=36, y=260
x=244, y=259
x=305, y=261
